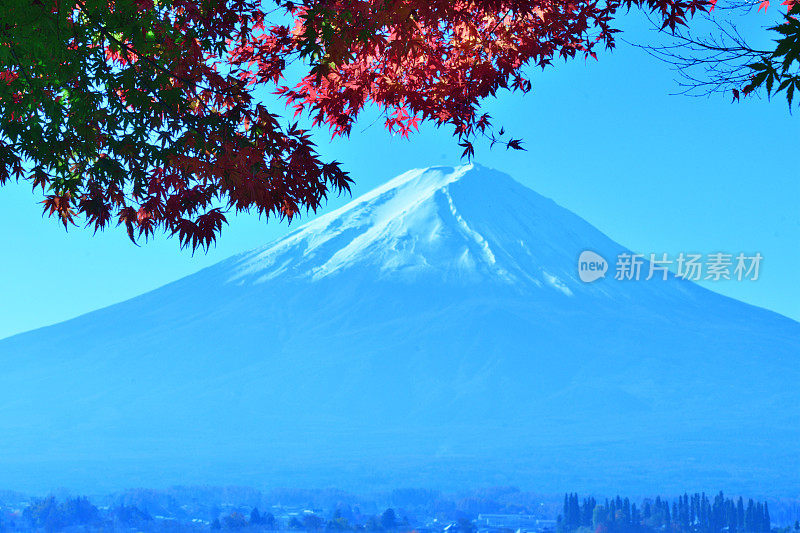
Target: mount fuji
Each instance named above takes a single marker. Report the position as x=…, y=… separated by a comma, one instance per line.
x=431, y=333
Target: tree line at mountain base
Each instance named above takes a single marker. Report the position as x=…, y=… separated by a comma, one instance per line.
x=697, y=513
x=329, y=511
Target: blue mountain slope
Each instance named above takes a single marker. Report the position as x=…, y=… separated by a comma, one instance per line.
x=430, y=333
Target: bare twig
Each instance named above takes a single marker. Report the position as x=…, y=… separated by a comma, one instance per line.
x=714, y=63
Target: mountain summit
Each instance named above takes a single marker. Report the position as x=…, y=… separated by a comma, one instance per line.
x=460, y=225
x=433, y=332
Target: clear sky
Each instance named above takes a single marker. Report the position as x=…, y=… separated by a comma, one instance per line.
x=606, y=139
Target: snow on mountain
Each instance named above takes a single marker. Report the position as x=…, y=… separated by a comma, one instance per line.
x=432, y=332
x=415, y=225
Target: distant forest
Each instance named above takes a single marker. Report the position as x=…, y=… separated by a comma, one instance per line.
x=687, y=514
x=486, y=510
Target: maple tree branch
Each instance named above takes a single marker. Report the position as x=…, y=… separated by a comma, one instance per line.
x=16, y=57
x=240, y=84
x=499, y=20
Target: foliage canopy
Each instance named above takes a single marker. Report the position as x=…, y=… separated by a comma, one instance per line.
x=142, y=112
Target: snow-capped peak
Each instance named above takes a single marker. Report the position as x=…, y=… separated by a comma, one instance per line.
x=463, y=223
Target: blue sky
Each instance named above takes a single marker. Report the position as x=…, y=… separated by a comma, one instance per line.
x=654, y=171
